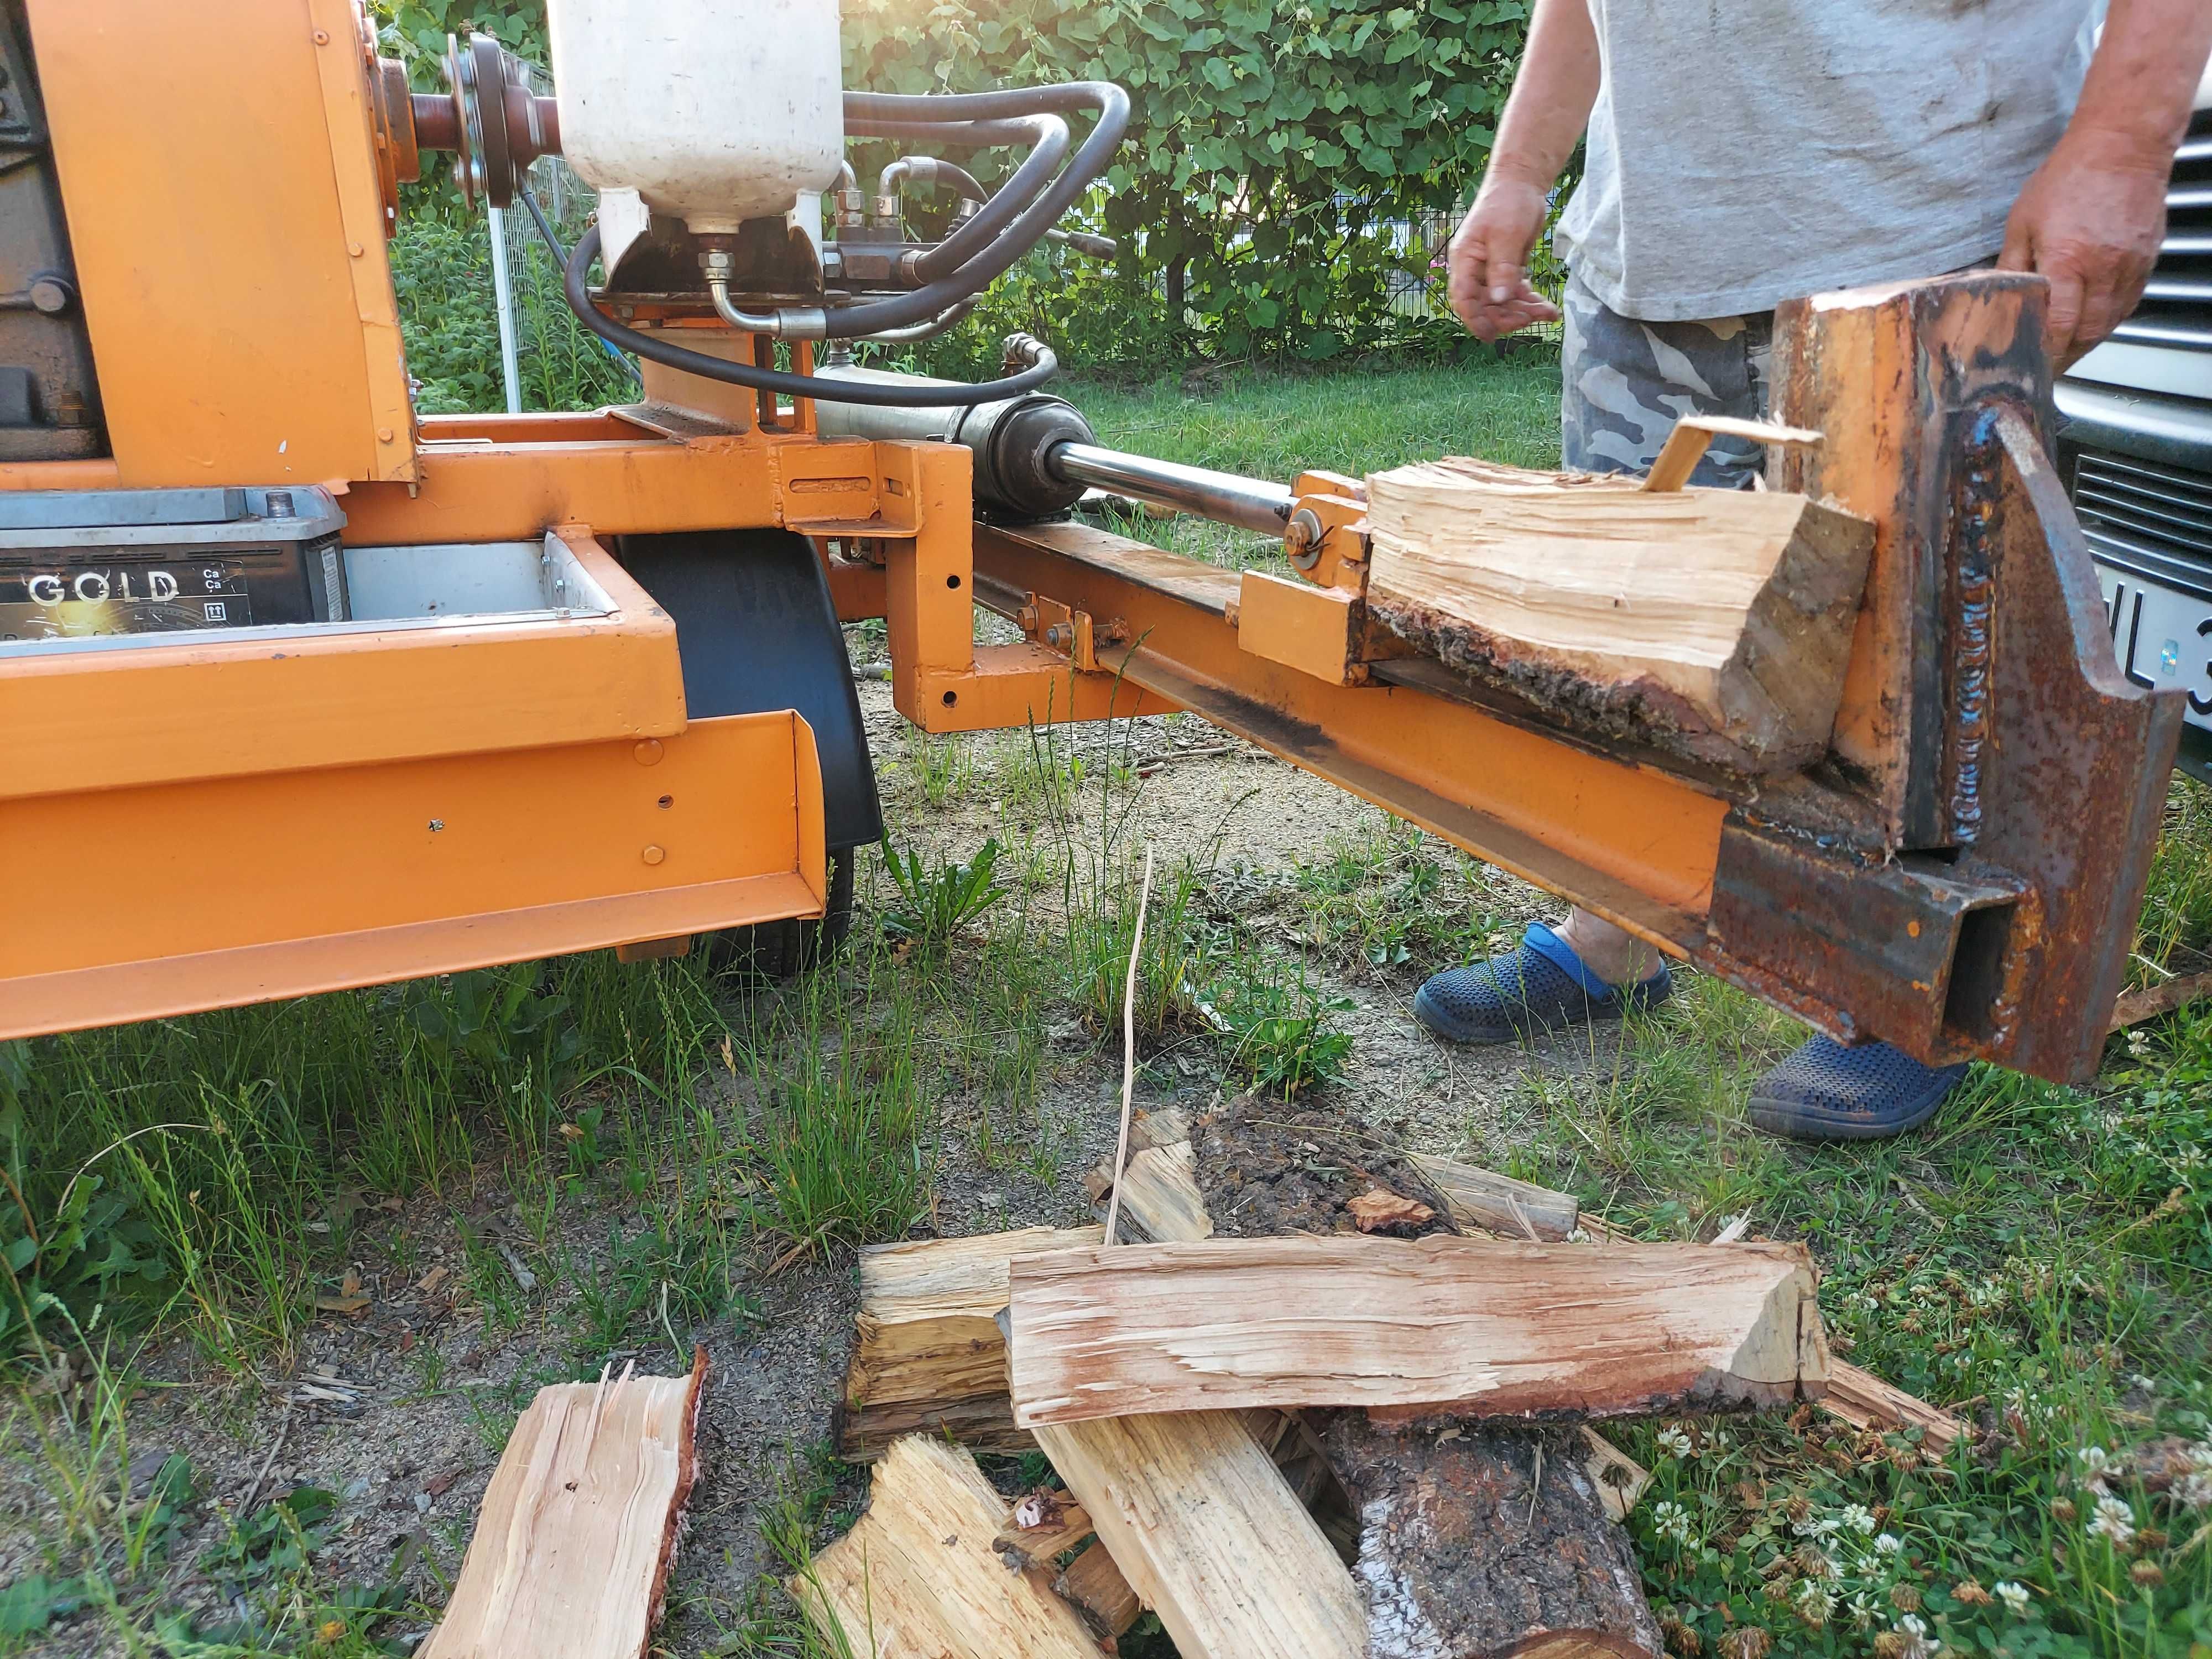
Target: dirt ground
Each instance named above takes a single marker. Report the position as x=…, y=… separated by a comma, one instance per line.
x=409, y=1462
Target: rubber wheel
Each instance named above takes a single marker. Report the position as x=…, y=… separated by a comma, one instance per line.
x=782, y=949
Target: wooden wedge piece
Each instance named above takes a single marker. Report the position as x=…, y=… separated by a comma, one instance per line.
x=1044, y=1524
x=928, y=1357
x=1620, y=1480
x=570, y=1556
x=1197, y=1518
x=1160, y=1199
x=1095, y=1584
x=916, y=1577
x=1487, y=1542
x=1497, y=1203
x=1715, y=623
x=1413, y=1327
x=1865, y=1402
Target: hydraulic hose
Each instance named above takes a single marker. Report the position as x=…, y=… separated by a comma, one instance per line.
x=1002, y=206
x=862, y=109
x=776, y=380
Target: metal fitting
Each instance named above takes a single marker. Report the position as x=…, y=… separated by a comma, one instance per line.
x=1302, y=539
x=1059, y=635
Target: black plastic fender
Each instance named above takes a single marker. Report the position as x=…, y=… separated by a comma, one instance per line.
x=757, y=631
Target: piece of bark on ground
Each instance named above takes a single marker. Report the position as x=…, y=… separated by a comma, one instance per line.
x=1268, y=1167
x=1480, y=1542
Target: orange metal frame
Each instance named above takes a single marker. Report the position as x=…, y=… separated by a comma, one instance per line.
x=422, y=801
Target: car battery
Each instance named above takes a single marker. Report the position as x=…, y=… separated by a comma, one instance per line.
x=82, y=563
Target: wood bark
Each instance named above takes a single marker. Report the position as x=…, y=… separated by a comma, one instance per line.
x=917, y=1577
x=928, y=1357
x=1198, y=1519
x=1713, y=623
x=1487, y=1543
x=1411, y=1328
x=593, y=1473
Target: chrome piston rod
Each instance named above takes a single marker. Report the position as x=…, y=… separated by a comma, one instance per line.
x=1248, y=503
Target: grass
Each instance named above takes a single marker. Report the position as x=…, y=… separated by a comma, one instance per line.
x=624, y=1159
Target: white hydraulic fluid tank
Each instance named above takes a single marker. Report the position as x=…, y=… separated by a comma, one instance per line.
x=713, y=111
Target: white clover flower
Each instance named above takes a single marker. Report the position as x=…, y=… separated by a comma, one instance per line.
x=1676, y=1440
x=2188, y=1160
x=2094, y=1460
x=1918, y=1644
x=1888, y=1544
x=2013, y=1595
x=2200, y=1456
x=1671, y=1521
x=2114, y=1520
x=1862, y=1611
x=1814, y=1600
x=1858, y=1518
x=2193, y=1492
x=1817, y=1526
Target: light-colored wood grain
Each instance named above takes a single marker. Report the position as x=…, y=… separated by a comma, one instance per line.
x=1160, y=1196
x=1715, y=623
x=570, y=1556
x=1094, y=1584
x=1693, y=435
x=1497, y=1203
x=1620, y=1478
x=917, y=1578
x=927, y=1351
x=1472, y=1326
x=1862, y=1399
x=1197, y=1518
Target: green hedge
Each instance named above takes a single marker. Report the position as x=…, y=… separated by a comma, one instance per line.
x=1272, y=141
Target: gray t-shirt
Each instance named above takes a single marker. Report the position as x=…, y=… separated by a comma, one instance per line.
x=1743, y=151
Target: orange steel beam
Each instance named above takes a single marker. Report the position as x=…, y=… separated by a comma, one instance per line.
x=1635, y=844
x=357, y=875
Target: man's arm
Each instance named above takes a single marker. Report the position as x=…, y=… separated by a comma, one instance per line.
x=1544, y=117
x=2092, y=217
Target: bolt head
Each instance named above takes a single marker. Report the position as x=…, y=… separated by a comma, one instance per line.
x=654, y=854
x=51, y=295
x=648, y=753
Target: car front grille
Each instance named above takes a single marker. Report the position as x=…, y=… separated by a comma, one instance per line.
x=2177, y=305
x=2149, y=518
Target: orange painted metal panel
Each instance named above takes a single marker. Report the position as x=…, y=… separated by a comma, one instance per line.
x=182, y=897
x=1297, y=624
x=236, y=293
x=216, y=707
x=477, y=487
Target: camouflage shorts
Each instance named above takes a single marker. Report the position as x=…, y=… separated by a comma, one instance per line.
x=1624, y=383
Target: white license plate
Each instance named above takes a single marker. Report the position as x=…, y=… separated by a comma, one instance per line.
x=2162, y=638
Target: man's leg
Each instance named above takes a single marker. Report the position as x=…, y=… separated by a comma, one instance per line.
x=1624, y=383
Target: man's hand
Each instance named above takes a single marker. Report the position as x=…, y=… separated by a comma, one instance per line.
x=2090, y=220
x=1489, y=260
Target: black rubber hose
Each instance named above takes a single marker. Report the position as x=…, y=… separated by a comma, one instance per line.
x=929, y=395
x=964, y=181
x=1028, y=230
x=1016, y=195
